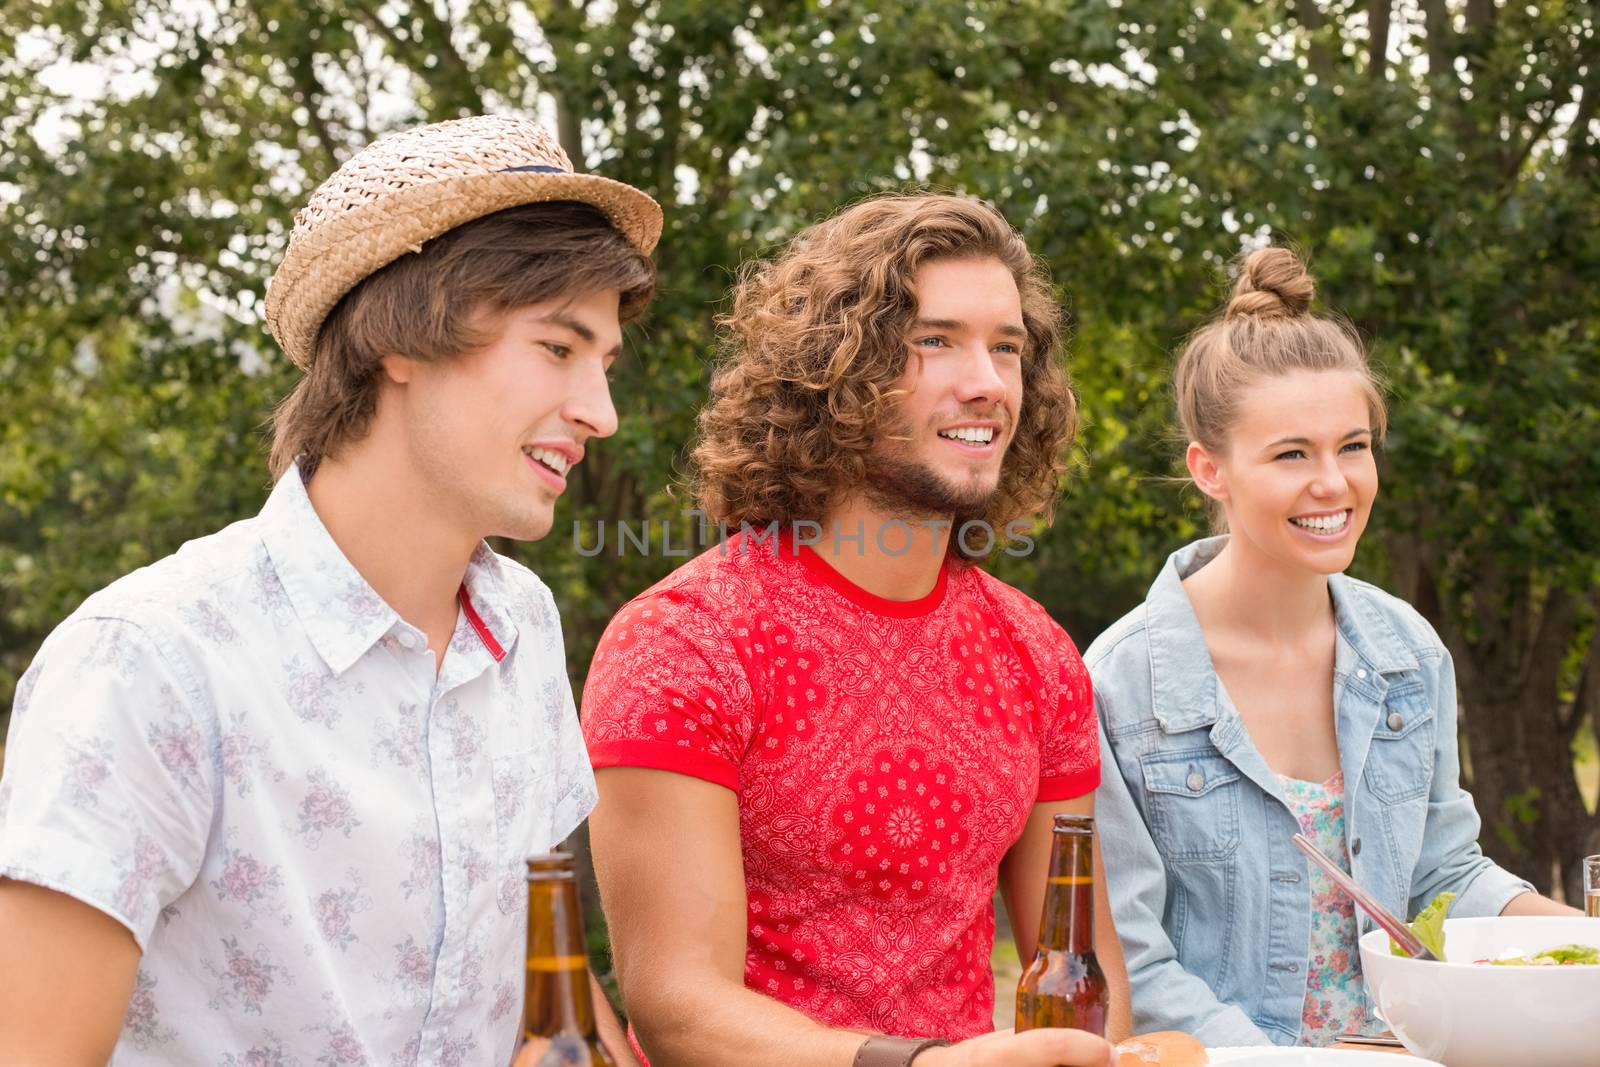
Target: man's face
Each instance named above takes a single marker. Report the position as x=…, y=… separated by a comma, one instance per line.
x=941, y=455
x=494, y=433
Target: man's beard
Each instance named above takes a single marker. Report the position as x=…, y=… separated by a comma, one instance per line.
x=901, y=487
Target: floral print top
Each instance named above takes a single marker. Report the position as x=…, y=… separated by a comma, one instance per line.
x=1335, y=996
x=243, y=755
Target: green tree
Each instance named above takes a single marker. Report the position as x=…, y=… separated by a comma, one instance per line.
x=1437, y=162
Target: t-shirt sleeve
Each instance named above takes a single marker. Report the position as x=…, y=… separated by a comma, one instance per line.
x=575, y=790
x=1070, y=763
x=667, y=690
x=110, y=774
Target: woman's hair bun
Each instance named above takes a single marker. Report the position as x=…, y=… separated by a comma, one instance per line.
x=1272, y=283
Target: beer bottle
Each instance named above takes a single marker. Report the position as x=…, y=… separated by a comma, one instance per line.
x=1064, y=985
x=557, y=1005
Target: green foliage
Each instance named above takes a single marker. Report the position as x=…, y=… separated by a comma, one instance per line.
x=1520, y=810
x=1444, y=190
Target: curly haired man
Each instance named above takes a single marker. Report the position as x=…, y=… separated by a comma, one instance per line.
x=819, y=745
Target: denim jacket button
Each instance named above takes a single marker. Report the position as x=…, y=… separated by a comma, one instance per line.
x=1396, y=720
x=1196, y=781
x=1361, y=672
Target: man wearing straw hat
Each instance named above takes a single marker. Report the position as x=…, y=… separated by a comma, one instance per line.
x=267, y=800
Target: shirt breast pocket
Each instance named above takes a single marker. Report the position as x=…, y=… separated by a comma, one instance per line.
x=1193, y=798
x=523, y=799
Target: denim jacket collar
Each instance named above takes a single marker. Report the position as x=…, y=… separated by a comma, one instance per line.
x=1180, y=666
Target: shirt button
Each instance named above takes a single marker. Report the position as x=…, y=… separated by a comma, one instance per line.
x=1396, y=720
x=1355, y=847
x=1196, y=781
x=408, y=640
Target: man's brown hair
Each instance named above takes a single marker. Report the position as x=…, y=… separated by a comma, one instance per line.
x=425, y=305
x=815, y=344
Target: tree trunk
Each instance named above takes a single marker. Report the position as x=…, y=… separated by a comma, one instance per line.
x=1535, y=823
x=569, y=131
x=1378, y=13
x=1436, y=25
x=1317, y=55
x=1516, y=730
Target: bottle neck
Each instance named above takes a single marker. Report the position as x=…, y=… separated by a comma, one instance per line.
x=1068, y=921
x=557, y=999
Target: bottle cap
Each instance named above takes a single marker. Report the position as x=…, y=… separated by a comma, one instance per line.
x=550, y=865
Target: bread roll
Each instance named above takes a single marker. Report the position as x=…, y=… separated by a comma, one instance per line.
x=1164, y=1048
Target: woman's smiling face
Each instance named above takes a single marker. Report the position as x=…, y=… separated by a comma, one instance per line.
x=1296, y=475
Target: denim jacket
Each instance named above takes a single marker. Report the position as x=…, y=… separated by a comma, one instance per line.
x=1211, y=900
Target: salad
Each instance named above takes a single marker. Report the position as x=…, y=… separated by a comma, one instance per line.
x=1560, y=956
x=1429, y=928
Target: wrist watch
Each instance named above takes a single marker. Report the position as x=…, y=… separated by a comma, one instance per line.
x=893, y=1051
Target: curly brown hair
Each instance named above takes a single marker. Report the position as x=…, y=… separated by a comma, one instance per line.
x=814, y=346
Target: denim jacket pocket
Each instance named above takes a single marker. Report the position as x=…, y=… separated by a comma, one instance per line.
x=1193, y=798
x=1400, y=761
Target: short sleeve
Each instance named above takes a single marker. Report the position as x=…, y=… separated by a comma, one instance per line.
x=575, y=792
x=108, y=791
x=1070, y=753
x=667, y=690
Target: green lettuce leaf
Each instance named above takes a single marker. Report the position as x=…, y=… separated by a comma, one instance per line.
x=1428, y=926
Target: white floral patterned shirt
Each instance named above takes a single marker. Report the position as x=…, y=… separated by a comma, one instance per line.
x=246, y=757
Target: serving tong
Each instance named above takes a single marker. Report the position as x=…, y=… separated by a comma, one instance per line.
x=1396, y=929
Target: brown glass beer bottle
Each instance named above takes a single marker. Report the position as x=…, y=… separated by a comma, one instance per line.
x=1064, y=985
x=557, y=1004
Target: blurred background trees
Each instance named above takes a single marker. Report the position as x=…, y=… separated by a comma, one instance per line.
x=1437, y=162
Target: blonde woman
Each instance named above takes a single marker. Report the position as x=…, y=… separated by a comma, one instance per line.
x=1259, y=691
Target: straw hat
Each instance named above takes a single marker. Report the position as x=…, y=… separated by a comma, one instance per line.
x=410, y=187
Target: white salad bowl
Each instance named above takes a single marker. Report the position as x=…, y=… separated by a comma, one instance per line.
x=1310, y=1057
x=1466, y=1014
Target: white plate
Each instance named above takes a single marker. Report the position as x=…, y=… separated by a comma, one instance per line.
x=1262, y=1056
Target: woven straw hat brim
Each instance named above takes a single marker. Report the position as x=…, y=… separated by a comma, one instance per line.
x=319, y=269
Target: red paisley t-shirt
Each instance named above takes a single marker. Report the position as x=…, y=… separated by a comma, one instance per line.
x=885, y=755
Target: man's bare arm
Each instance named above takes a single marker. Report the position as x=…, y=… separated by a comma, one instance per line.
x=609, y=1026
x=1022, y=884
x=666, y=853
x=66, y=974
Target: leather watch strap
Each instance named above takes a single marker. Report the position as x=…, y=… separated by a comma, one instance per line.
x=893, y=1051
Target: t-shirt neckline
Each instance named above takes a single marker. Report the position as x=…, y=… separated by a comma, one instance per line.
x=879, y=605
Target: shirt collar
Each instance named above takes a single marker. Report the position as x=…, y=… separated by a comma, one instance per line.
x=1180, y=665
x=1179, y=662
x=487, y=602
x=341, y=613
x=1363, y=623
